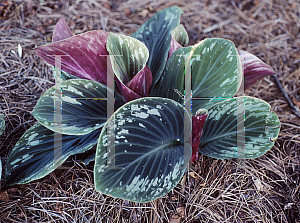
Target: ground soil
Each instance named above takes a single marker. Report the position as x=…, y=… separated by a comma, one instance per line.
x=265, y=189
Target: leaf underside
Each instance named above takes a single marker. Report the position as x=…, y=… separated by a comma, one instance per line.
x=143, y=157
x=61, y=31
x=83, y=55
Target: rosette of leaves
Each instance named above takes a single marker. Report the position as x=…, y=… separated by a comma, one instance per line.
x=144, y=147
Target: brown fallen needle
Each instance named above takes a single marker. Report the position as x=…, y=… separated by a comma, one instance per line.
x=291, y=104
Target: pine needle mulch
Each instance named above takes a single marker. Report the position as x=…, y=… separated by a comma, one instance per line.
x=260, y=190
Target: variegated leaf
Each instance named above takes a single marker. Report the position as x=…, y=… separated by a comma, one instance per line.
x=141, y=154
x=129, y=55
x=129, y=58
x=216, y=73
x=65, y=76
x=180, y=35
x=156, y=34
x=83, y=107
x=34, y=155
x=82, y=55
x=224, y=136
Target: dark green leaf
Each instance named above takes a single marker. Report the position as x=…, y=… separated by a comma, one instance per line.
x=33, y=156
x=83, y=107
x=216, y=73
x=222, y=132
x=156, y=34
x=143, y=156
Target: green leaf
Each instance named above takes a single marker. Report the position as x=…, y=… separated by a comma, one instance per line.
x=83, y=107
x=222, y=132
x=2, y=124
x=142, y=157
x=216, y=73
x=180, y=35
x=132, y=56
x=33, y=156
x=156, y=34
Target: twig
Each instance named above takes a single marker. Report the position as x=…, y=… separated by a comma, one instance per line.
x=291, y=104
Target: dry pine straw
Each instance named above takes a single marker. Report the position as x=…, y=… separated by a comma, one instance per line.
x=261, y=190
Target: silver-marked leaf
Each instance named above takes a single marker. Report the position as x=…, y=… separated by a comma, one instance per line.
x=65, y=76
x=224, y=129
x=82, y=55
x=129, y=58
x=83, y=107
x=2, y=123
x=61, y=31
x=33, y=156
x=216, y=73
x=129, y=55
x=180, y=35
x=156, y=34
x=254, y=68
x=141, y=154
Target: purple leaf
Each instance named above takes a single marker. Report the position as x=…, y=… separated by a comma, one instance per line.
x=138, y=87
x=141, y=83
x=82, y=55
x=198, y=122
x=254, y=68
x=129, y=95
x=174, y=46
x=61, y=31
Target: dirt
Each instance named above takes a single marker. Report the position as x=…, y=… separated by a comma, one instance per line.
x=265, y=189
